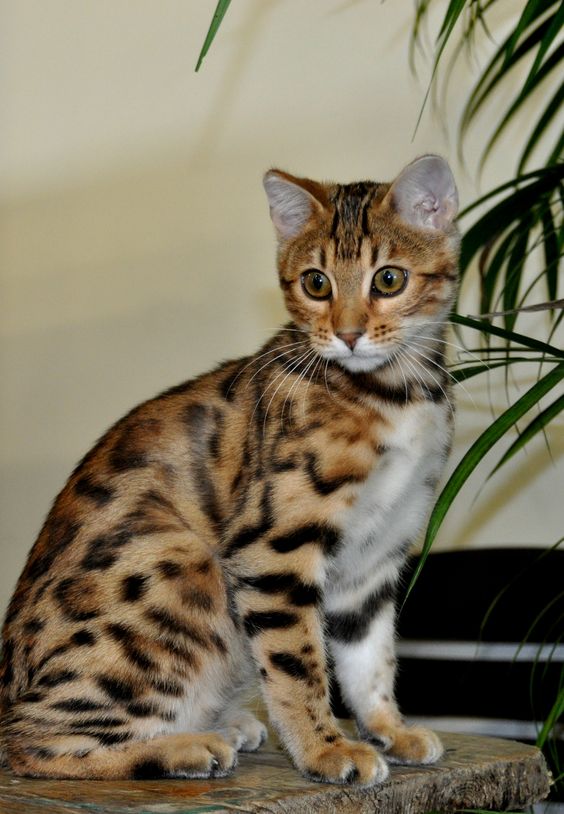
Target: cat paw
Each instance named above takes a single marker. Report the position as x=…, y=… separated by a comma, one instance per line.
x=409, y=745
x=187, y=756
x=347, y=762
x=245, y=732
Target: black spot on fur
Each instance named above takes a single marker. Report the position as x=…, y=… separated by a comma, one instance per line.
x=33, y=626
x=6, y=666
x=289, y=664
x=56, y=651
x=77, y=705
x=201, y=423
x=133, y=587
x=247, y=536
x=169, y=569
x=125, y=455
x=253, y=533
x=83, y=637
x=303, y=594
x=101, y=722
x=60, y=531
x=168, y=686
x=196, y=598
x=117, y=690
x=108, y=738
x=68, y=595
x=40, y=752
x=299, y=593
x=32, y=697
x=97, y=492
x=227, y=384
x=151, y=769
x=352, y=626
x=172, y=624
x=126, y=638
x=326, y=536
x=325, y=486
x=57, y=677
x=258, y=621
x=103, y=551
x=147, y=709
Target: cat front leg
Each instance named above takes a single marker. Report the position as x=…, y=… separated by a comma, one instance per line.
x=362, y=645
x=279, y=607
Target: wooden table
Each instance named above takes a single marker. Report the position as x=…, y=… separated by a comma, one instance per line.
x=475, y=772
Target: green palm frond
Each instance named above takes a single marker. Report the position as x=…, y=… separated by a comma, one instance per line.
x=217, y=19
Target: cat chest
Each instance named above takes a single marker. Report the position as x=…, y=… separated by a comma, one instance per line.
x=391, y=504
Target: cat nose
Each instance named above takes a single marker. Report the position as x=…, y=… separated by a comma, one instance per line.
x=350, y=338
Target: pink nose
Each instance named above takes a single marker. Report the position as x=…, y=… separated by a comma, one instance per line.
x=350, y=338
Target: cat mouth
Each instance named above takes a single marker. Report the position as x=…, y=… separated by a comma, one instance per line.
x=362, y=363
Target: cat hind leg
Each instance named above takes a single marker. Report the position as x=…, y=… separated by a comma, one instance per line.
x=202, y=755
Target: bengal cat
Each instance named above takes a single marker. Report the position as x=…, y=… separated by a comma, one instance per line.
x=253, y=522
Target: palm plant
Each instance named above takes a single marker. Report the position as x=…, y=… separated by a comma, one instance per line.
x=514, y=241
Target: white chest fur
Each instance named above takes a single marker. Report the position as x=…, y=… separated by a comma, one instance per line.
x=393, y=502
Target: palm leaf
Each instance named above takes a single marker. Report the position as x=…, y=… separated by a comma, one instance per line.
x=482, y=91
x=475, y=454
x=463, y=373
x=549, y=65
x=551, y=110
x=452, y=14
x=551, y=254
x=515, y=264
x=537, y=425
x=512, y=336
x=556, y=24
x=532, y=10
x=217, y=19
x=496, y=220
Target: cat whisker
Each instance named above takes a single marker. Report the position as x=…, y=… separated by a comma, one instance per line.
x=315, y=364
x=292, y=345
x=312, y=375
x=395, y=361
x=406, y=359
x=296, y=364
x=285, y=365
x=460, y=348
x=415, y=349
x=329, y=393
x=256, y=359
x=289, y=394
x=437, y=382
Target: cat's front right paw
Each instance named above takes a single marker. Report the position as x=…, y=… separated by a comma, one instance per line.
x=348, y=762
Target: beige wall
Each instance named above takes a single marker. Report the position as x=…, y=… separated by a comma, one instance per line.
x=136, y=247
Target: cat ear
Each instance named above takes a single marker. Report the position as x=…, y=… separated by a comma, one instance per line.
x=292, y=201
x=424, y=194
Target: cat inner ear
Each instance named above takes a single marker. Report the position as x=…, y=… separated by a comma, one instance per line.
x=293, y=201
x=424, y=194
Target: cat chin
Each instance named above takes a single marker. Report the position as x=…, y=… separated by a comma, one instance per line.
x=362, y=364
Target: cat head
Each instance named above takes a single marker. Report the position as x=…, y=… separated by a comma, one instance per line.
x=366, y=268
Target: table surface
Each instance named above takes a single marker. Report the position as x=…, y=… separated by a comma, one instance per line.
x=474, y=772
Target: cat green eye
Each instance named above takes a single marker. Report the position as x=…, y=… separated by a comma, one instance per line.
x=316, y=285
x=388, y=281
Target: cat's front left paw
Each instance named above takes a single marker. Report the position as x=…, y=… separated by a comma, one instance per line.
x=349, y=762
x=411, y=745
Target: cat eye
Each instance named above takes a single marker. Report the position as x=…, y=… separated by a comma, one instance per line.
x=388, y=281
x=316, y=284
